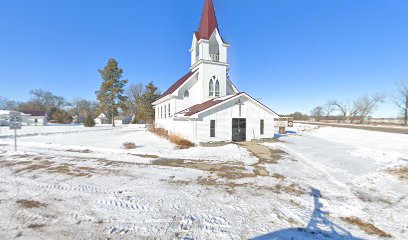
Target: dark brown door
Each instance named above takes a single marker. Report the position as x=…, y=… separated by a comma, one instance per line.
x=238, y=129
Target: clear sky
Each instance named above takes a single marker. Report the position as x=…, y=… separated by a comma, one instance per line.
x=291, y=54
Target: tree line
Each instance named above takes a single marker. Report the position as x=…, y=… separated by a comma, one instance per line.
x=360, y=109
x=113, y=98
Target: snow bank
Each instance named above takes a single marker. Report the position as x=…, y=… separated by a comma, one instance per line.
x=5, y=132
x=105, y=140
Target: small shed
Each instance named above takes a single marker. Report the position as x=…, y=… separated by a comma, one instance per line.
x=34, y=117
x=123, y=120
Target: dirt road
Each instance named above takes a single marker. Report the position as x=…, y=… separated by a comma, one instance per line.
x=402, y=130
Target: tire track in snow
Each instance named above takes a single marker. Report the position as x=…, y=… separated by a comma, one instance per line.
x=322, y=170
x=122, y=204
x=29, y=216
x=80, y=188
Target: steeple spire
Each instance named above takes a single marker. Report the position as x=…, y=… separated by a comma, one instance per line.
x=208, y=22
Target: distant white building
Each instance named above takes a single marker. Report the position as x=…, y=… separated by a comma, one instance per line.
x=122, y=120
x=4, y=118
x=119, y=120
x=34, y=117
x=204, y=105
x=102, y=119
x=29, y=118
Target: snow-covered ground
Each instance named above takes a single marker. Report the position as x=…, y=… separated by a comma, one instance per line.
x=70, y=182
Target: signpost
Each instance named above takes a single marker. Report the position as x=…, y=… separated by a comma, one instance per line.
x=283, y=123
x=15, y=123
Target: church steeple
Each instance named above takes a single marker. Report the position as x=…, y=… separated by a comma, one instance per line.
x=208, y=22
x=207, y=44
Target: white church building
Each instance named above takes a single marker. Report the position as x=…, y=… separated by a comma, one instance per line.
x=203, y=105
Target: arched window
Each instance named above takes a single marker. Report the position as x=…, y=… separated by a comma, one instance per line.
x=197, y=52
x=214, y=49
x=211, y=88
x=217, y=88
x=186, y=94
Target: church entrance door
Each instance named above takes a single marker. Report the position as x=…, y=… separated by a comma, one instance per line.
x=238, y=129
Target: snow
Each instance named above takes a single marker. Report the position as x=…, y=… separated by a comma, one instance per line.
x=90, y=187
x=49, y=129
x=107, y=140
x=353, y=164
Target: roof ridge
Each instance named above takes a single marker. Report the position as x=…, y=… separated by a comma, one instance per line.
x=215, y=101
x=177, y=84
x=199, y=107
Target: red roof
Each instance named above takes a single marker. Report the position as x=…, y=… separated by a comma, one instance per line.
x=177, y=84
x=210, y=103
x=34, y=112
x=208, y=22
x=205, y=105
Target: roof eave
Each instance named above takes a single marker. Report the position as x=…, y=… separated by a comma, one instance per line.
x=163, y=99
x=196, y=115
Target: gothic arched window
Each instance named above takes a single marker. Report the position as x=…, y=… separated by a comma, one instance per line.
x=197, y=52
x=211, y=88
x=217, y=88
x=169, y=110
x=186, y=94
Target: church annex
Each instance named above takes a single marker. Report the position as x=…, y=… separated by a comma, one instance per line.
x=203, y=105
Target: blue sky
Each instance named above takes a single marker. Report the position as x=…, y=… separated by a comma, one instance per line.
x=292, y=54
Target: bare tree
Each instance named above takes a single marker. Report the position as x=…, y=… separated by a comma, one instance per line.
x=355, y=109
x=83, y=108
x=401, y=100
x=299, y=116
x=6, y=104
x=47, y=100
x=328, y=108
x=367, y=104
x=134, y=99
x=342, y=107
x=317, y=113
x=360, y=108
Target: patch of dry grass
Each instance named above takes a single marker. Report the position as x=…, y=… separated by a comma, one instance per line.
x=227, y=171
x=35, y=166
x=145, y=155
x=293, y=188
x=79, y=151
x=180, y=182
x=129, y=145
x=35, y=225
x=30, y=203
x=278, y=176
x=401, y=173
x=367, y=198
x=366, y=227
x=181, y=142
x=53, y=167
x=64, y=169
x=161, y=132
x=14, y=163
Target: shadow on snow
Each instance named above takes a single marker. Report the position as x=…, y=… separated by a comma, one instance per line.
x=277, y=135
x=319, y=227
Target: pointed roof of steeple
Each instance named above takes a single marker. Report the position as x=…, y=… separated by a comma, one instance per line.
x=208, y=22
